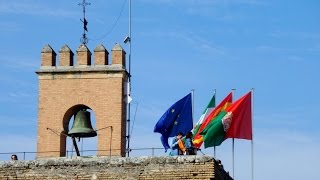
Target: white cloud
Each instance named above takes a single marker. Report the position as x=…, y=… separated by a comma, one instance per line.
x=20, y=63
x=295, y=58
x=295, y=35
x=315, y=48
x=196, y=42
x=35, y=8
x=159, y=1
x=207, y=2
x=278, y=119
x=209, y=7
x=273, y=49
x=9, y=26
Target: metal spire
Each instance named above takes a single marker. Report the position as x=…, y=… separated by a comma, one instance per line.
x=84, y=39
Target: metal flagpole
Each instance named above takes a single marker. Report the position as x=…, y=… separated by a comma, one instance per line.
x=252, y=162
x=130, y=37
x=129, y=79
x=215, y=98
x=192, y=94
x=233, y=158
x=233, y=91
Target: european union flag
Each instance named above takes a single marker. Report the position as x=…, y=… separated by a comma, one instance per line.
x=178, y=118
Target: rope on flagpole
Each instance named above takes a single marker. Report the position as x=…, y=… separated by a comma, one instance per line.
x=252, y=160
x=215, y=98
x=129, y=80
x=233, y=92
x=233, y=158
x=192, y=95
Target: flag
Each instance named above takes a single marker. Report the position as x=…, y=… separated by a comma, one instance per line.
x=213, y=134
x=178, y=118
x=181, y=145
x=205, y=113
x=241, y=118
x=233, y=122
x=198, y=138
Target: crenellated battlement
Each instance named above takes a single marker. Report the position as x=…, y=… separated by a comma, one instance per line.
x=68, y=84
x=83, y=57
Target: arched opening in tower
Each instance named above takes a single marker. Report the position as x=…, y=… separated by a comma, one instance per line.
x=87, y=146
x=80, y=125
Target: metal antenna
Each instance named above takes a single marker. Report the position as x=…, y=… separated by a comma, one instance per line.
x=84, y=39
x=128, y=40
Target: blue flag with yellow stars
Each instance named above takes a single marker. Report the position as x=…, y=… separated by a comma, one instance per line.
x=178, y=118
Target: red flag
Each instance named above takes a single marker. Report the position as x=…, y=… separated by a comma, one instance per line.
x=241, y=118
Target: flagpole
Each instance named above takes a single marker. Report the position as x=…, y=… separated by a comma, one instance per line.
x=233, y=158
x=215, y=98
x=129, y=79
x=192, y=94
x=233, y=92
x=252, y=162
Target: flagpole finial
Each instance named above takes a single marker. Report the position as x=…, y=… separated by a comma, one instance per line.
x=84, y=39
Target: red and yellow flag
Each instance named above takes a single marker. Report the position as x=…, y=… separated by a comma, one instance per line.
x=198, y=139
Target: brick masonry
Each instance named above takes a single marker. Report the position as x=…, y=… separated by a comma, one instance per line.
x=69, y=86
x=179, y=167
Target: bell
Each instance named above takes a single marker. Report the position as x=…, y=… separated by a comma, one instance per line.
x=82, y=125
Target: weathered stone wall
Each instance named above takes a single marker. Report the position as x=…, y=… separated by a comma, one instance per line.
x=180, y=167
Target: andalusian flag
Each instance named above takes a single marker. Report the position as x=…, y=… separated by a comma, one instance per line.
x=233, y=122
x=205, y=113
x=198, y=138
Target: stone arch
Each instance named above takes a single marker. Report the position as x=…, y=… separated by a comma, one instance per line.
x=69, y=113
x=65, y=124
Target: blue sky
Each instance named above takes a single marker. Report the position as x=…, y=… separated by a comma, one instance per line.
x=272, y=46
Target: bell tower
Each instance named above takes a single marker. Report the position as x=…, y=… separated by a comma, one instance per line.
x=69, y=86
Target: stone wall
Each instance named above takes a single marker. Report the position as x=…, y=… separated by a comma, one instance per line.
x=180, y=167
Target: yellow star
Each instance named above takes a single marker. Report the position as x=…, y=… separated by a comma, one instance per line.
x=175, y=122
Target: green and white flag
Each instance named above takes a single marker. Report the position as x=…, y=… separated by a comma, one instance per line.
x=210, y=107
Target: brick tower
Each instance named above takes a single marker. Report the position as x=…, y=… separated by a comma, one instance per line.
x=67, y=87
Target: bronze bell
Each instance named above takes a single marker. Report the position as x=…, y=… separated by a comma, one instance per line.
x=81, y=126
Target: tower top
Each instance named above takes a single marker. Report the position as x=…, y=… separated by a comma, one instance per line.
x=84, y=39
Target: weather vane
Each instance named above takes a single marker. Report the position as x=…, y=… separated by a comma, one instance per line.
x=84, y=39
